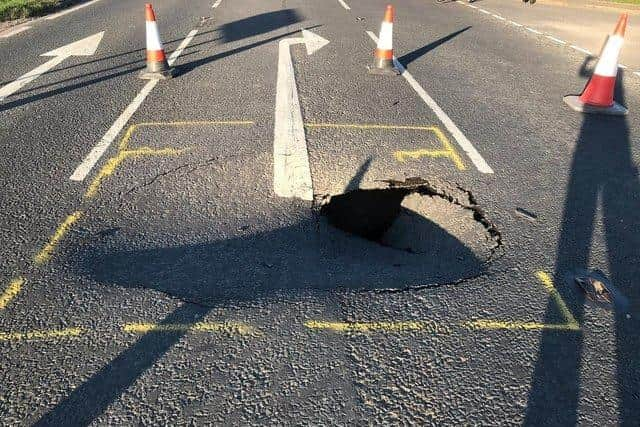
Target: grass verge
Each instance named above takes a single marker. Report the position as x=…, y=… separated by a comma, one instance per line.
x=16, y=9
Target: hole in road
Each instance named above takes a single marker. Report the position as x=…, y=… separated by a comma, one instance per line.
x=415, y=218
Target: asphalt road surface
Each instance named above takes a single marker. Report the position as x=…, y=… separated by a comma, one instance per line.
x=277, y=236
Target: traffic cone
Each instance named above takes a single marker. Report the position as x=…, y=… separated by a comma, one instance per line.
x=597, y=96
x=383, y=58
x=157, y=66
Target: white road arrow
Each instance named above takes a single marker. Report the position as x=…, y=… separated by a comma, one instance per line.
x=84, y=47
x=291, y=172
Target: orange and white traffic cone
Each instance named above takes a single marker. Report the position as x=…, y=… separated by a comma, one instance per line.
x=597, y=96
x=383, y=58
x=157, y=66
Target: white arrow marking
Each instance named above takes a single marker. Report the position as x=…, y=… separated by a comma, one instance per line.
x=84, y=47
x=291, y=172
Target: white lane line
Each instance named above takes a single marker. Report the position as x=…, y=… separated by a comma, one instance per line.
x=14, y=31
x=457, y=134
x=345, y=5
x=624, y=67
x=472, y=6
x=499, y=17
x=534, y=31
x=486, y=12
x=516, y=24
x=99, y=149
x=579, y=49
x=73, y=9
x=556, y=40
x=637, y=73
x=216, y=4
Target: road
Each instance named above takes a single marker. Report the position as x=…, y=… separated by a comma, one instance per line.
x=192, y=270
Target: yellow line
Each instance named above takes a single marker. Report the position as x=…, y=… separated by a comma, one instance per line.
x=34, y=335
x=528, y=326
x=449, y=152
x=571, y=324
x=229, y=327
x=12, y=290
x=367, y=126
x=45, y=254
x=547, y=282
x=378, y=326
x=124, y=152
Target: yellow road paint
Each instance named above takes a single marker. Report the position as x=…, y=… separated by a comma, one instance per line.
x=447, y=150
x=426, y=326
x=12, y=290
x=40, y=335
x=45, y=254
x=547, y=282
x=125, y=153
x=571, y=324
x=228, y=327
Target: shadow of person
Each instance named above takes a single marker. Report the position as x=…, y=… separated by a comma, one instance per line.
x=602, y=169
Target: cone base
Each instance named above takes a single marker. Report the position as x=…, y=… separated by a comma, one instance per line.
x=393, y=71
x=156, y=75
x=574, y=102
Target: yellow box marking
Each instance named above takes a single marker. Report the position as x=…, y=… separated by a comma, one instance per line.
x=227, y=327
x=124, y=152
x=40, y=335
x=12, y=290
x=447, y=151
x=426, y=326
x=571, y=324
x=47, y=251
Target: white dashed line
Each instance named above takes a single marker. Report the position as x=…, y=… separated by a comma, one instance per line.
x=216, y=4
x=556, y=40
x=579, y=49
x=99, y=149
x=457, y=134
x=548, y=36
x=73, y=9
x=14, y=32
x=343, y=4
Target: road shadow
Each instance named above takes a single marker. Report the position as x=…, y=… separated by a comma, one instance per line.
x=307, y=255
x=230, y=32
x=603, y=175
x=412, y=56
x=259, y=24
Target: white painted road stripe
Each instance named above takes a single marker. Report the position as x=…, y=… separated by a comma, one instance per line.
x=472, y=6
x=533, y=30
x=216, y=4
x=14, y=31
x=637, y=73
x=556, y=40
x=345, y=5
x=579, y=49
x=498, y=17
x=73, y=9
x=486, y=12
x=99, y=149
x=515, y=23
x=457, y=134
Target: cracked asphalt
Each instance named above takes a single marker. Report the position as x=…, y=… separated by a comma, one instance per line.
x=172, y=286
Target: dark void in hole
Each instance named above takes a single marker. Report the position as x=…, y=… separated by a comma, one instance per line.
x=417, y=219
